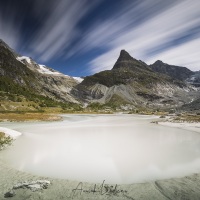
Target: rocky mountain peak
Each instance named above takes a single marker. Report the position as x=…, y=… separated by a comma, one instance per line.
x=126, y=61
x=124, y=56
x=176, y=72
x=158, y=62
x=3, y=44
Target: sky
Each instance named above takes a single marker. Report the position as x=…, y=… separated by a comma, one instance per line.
x=83, y=37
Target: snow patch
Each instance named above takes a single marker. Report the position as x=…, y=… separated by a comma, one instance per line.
x=79, y=79
x=24, y=58
x=192, y=79
x=9, y=132
x=44, y=70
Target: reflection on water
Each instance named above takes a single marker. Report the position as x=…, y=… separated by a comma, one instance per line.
x=115, y=148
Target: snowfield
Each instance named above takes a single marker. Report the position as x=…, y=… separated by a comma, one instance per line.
x=79, y=79
x=44, y=70
x=24, y=58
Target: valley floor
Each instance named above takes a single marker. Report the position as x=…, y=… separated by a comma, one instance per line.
x=176, y=188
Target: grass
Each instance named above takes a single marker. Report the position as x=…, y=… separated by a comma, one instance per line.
x=28, y=117
x=5, y=140
x=187, y=118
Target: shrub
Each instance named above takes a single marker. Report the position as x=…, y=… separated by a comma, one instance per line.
x=5, y=140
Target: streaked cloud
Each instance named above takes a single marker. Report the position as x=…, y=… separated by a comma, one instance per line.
x=162, y=29
x=60, y=29
x=9, y=27
x=88, y=35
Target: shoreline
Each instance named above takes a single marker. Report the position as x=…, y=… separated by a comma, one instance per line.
x=9, y=132
x=29, y=117
x=175, y=188
x=194, y=126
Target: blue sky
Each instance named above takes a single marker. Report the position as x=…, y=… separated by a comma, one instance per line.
x=82, y=37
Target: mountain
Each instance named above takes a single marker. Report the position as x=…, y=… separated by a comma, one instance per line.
x=23, y=78
x=133, y=82
x=4, y=45
x=130, y=84
x=126, y=61
x=176, y=72
x=194, y=79
x=192, y=106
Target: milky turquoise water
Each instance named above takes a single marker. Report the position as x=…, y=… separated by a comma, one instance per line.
x=115, y=148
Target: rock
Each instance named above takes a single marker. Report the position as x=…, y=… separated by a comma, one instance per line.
x=33, y=185
x=23, y=72
x=176, y=72
x=162, y=116
x=9, y=194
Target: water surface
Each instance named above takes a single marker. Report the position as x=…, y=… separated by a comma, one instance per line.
x=116, y=148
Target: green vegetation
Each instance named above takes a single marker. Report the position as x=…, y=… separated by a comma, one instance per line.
x=4, y=140
x=16, y=98
x=14, y=92
x=127, y=75
x=21, y=90
x=187, y=118
x=23, y=116
x=114, y=103
x=117, y=101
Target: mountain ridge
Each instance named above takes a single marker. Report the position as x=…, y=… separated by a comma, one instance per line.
x=130, y=82
x=21, y=80
x=126, y=61
x=177, y=72
x=136, y=83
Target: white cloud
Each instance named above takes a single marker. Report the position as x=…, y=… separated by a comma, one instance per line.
x=102, y=33
x=159, y=30
x=9, y=29
x=186, y=54
x=146, y=29
x=60, y=28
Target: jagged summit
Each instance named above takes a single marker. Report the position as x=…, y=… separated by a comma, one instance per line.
x=159, y=62
x=3, y=44
x=133, y=82
x=130, y=82
x=125, y=60
x=124, y=56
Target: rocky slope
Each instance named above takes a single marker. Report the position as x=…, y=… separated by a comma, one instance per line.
x=192, y=106
x=194, y=79
x=129, y=84
x=133, y=82
x=28, y=86
x=176, y=72
x=22, y=73
x=53, y=83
